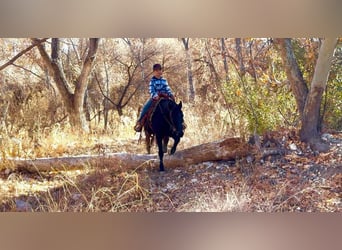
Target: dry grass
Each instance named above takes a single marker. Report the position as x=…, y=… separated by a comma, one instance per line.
x=212, y=187
x=119, y=137
x=233, y=201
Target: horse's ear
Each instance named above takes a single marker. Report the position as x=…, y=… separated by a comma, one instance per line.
x=180, y=104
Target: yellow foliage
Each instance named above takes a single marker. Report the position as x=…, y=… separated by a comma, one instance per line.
x=238, y=92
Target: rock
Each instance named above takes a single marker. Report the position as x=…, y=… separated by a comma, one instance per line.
x=249, y=159
x=76, y=197
x=293, y=147
x=208, y=164
x=23, y=206
x=171, y=186
x=319, y=147
x=327, y=137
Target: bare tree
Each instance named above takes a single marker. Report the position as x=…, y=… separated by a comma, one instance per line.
x=73, y=99
x=21, y=53
x=125, y=92
x=138, y=54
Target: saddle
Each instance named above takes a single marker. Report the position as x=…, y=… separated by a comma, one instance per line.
x=147, y=119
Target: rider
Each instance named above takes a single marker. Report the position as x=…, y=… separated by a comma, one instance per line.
x=158, y=85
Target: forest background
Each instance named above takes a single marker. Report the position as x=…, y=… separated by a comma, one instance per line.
x=70, y=96
x=230, y=87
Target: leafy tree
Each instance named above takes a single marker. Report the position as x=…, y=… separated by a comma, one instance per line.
x=310, y=122
x=308, y=100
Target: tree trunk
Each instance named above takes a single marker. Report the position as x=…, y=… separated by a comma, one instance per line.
x=211, y=63
x=293, y=73
x=239, y=55
x=227, y=149
x=310, y=122
x=191, y=94
x=106, y=102
x=224, y=57
x=78, y=117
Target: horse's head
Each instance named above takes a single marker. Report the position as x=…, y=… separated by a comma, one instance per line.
x=177, y=120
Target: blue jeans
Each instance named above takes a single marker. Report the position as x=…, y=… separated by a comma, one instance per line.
x=145, y=108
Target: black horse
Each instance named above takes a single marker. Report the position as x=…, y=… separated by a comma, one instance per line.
x=167, y=121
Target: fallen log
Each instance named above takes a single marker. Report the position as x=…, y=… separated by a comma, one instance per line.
x=227, y=149
x=122, y=161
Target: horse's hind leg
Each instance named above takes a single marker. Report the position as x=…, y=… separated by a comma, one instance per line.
x=148, y=141
x=165, y=142
x=148, y=144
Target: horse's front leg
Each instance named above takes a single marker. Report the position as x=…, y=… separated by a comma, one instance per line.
x=160, y=152
x=174, y=147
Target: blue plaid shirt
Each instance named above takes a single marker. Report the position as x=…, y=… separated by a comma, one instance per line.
x=159, y=86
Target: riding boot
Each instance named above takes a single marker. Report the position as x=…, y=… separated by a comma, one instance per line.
x=138, y=126
x=140, y=123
